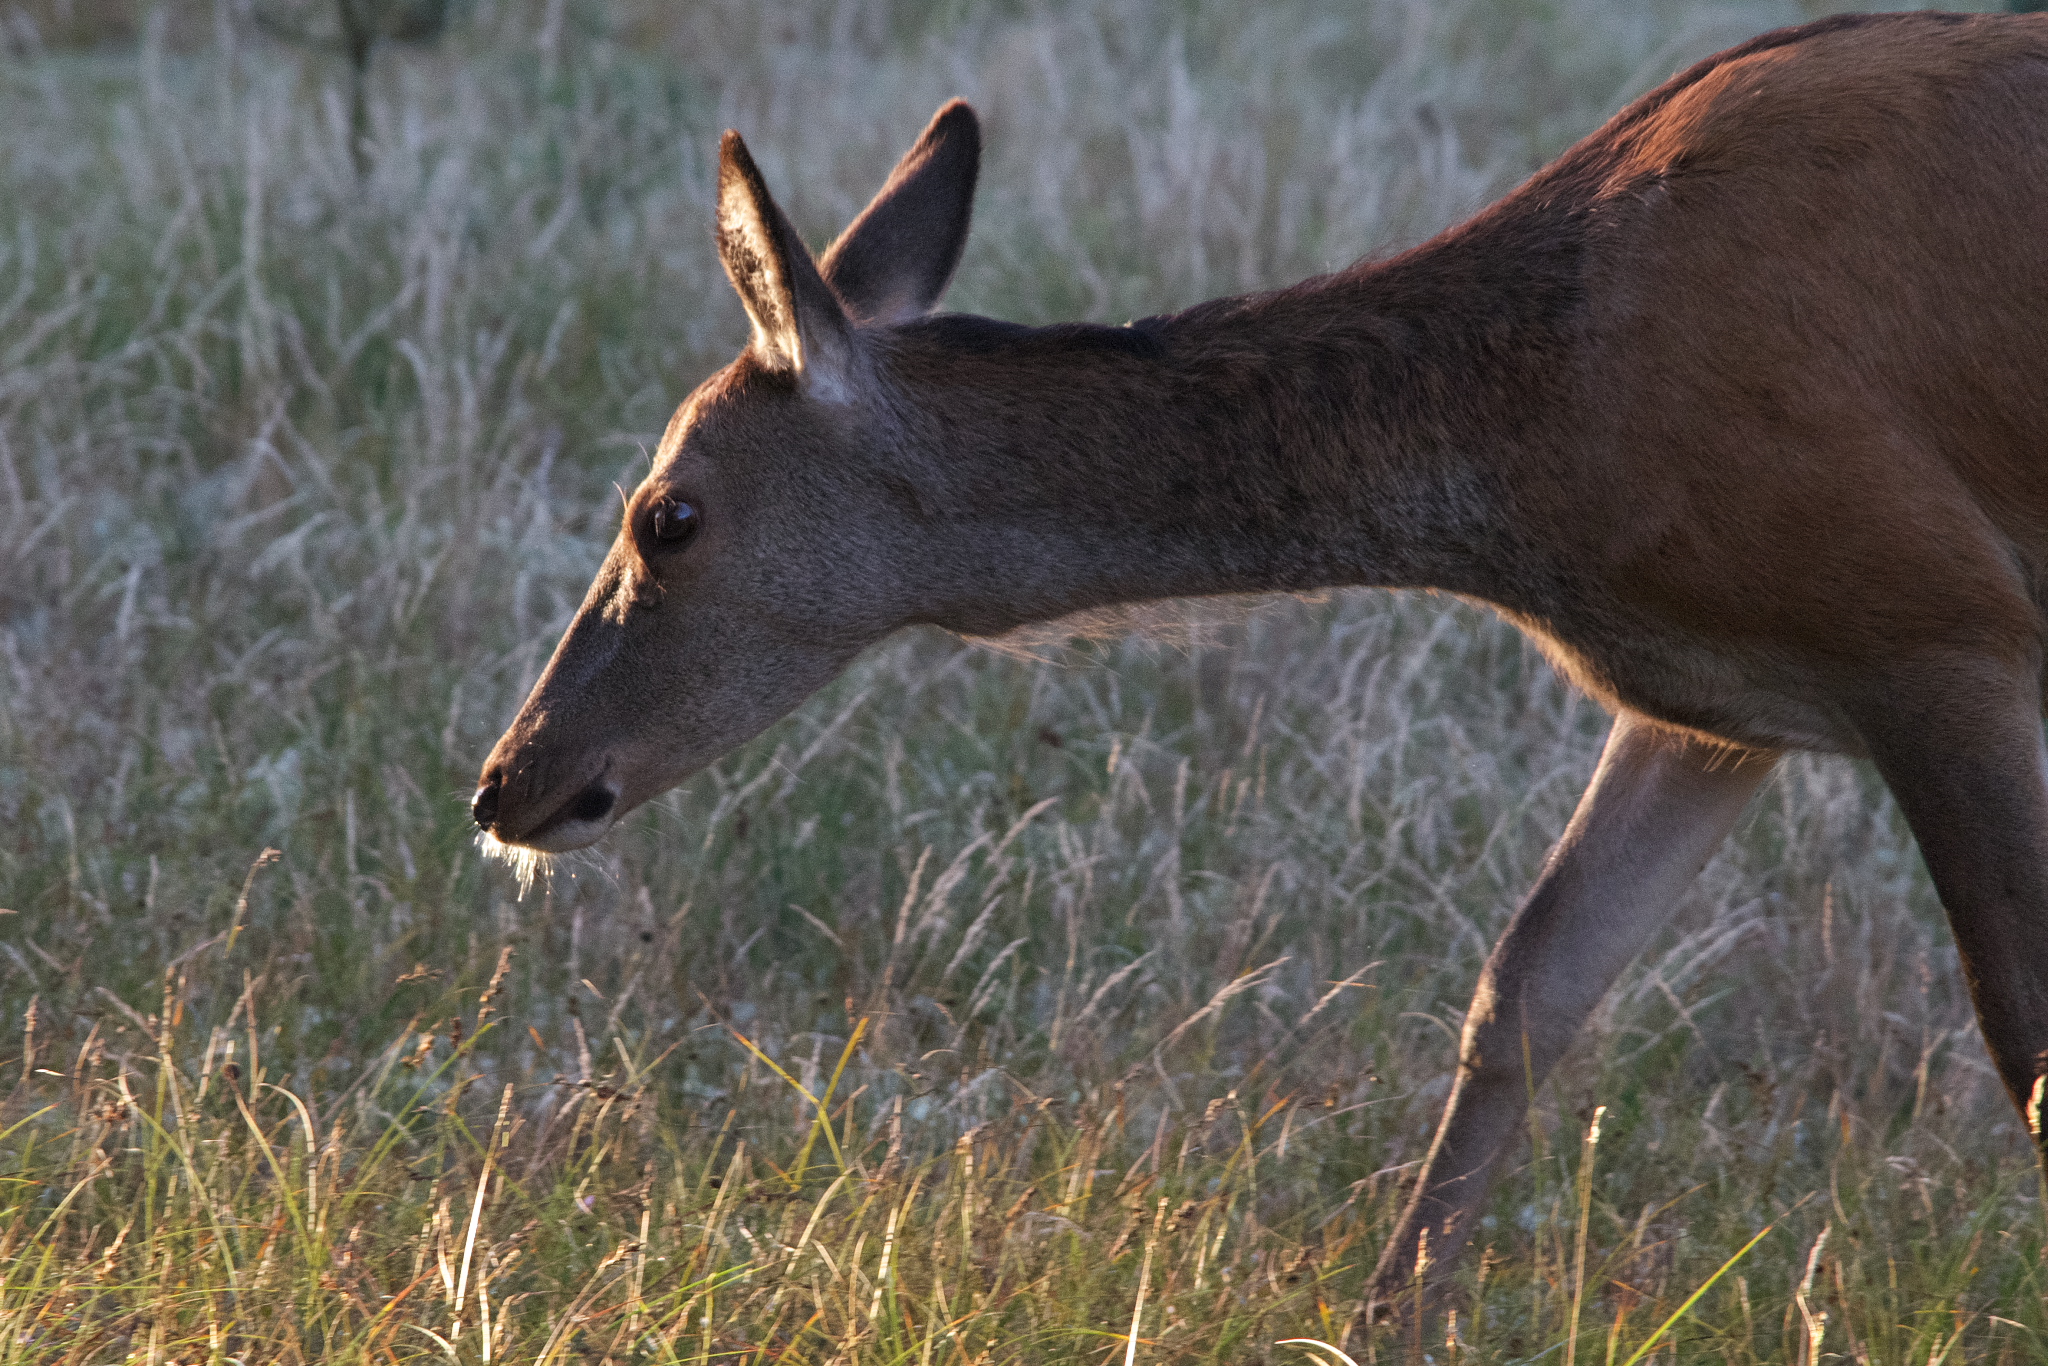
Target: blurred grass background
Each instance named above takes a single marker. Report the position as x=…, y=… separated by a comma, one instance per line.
x=994, y=996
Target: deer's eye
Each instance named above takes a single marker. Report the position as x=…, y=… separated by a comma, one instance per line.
x=672, y=523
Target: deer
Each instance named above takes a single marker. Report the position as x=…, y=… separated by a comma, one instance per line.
x=1736, y=409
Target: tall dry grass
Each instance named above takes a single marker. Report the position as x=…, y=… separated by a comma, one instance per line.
x=993, y=1008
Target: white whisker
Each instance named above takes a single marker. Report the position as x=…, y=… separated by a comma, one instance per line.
x=528, y=865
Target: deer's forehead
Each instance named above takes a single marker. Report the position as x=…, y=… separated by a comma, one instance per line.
x=736, y=417
x=688, y=419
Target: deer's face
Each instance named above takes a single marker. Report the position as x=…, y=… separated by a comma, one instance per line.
x=751, y=566
x=762, y=553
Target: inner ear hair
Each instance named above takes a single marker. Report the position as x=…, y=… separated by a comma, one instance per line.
x=799, y=325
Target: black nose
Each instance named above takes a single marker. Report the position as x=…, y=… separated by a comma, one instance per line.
x=593, y=803
x=483, y=808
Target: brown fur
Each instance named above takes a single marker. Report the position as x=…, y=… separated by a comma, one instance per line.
x=1738, y=408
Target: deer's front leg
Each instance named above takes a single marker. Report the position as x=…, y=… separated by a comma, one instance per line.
x=1960, y=745
x=1659, y=805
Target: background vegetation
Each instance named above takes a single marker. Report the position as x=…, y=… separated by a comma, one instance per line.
x=995, y=1007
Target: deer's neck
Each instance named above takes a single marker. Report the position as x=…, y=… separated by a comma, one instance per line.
x=1361, y=428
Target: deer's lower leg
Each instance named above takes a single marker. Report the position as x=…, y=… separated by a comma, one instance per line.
x=1970, y=770
x=1658, y=807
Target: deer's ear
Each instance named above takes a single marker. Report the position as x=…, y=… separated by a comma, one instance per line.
x=798, y=323
x=895, y=260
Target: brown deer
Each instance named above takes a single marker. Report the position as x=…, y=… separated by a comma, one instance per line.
x=1739, y=409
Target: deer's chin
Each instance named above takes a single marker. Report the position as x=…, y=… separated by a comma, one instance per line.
x=563, y=836
x=531, y=858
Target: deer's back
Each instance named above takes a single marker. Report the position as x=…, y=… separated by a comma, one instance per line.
x=1808, y=420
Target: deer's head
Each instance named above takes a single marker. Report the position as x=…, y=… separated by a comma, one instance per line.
x=773, y=539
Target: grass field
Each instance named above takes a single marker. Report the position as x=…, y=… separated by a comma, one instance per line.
x=1086, y=1003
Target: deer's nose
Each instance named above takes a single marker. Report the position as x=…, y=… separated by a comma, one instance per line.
x=483, y=807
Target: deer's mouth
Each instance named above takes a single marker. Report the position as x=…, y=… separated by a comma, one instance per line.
x=578, y=821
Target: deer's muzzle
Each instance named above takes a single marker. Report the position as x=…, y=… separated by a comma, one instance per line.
x=578, y=821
